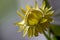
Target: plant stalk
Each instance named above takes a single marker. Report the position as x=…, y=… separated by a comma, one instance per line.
x=46, y=36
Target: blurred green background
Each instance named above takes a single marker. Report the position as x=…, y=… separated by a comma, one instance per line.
x=7, y=6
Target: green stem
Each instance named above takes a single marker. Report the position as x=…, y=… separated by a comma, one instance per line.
x=46, y=36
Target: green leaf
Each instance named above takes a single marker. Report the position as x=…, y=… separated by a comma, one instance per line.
x=55, y=29
x=54, y=38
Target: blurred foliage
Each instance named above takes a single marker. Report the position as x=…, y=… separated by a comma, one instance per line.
x=55, y=29
x=6, y=6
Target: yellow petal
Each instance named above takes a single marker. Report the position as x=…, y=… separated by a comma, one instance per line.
x=23, y=11
x=46, y=10
x=28, y=7
x=25, y=30
x=37, y=14
x=21, y=25
x=36, y=32
x=33, y=21
x=36, y=4
x=50, y=13
x=20, y=14
x=49, y=9
x=30, y=32
x=43, y=20
x=43, y=5
x=39, y=29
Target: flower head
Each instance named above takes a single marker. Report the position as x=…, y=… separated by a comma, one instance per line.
x=35, y=19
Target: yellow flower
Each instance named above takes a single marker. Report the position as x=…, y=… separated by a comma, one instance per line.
x=35, y=19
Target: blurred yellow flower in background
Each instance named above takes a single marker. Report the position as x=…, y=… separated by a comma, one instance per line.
x=35, y=20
